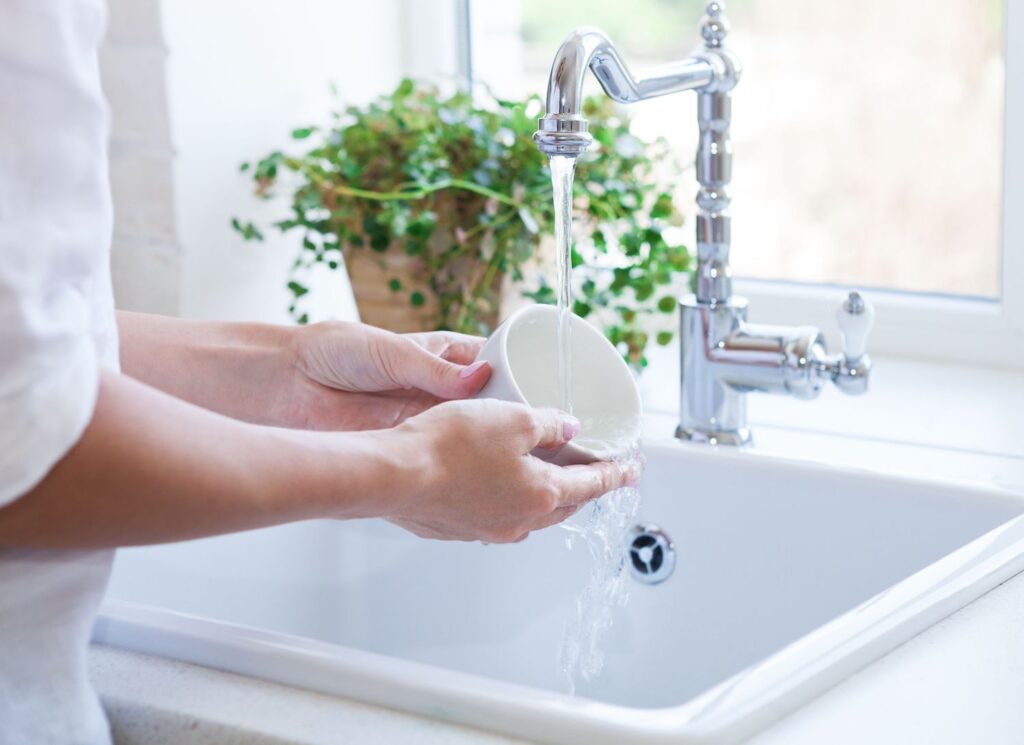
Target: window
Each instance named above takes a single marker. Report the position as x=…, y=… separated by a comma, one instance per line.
x=869, y=142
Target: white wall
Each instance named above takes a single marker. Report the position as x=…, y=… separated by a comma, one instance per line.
x=241, y=76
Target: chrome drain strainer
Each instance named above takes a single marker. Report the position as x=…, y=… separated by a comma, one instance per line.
x=652, y=556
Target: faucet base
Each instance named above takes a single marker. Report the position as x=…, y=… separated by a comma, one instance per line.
x=725, y=437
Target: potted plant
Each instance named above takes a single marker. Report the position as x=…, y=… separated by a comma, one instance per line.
x=430, y=201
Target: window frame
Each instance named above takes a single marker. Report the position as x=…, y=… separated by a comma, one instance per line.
x=945, y=328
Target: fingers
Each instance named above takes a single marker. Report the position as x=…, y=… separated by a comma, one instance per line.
x=461, y=349
x=414, y=366
x=577, y=485
x=549, y=428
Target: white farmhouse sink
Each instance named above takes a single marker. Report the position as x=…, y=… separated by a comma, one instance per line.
x=789, y=577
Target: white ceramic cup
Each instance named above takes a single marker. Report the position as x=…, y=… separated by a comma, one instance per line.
x=523, y=356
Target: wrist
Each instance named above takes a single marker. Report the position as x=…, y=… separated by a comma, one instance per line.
x=352, y=475
x=259, y=364
x=286, y=395
x=409, y=465
x=247, y=371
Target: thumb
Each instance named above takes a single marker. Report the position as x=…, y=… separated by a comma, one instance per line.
x=412, y=366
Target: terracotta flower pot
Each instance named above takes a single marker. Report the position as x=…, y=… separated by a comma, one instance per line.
x=371, y=274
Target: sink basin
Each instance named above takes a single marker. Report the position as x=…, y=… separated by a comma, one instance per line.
x=788, y=578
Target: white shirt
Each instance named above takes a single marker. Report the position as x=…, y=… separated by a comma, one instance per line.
x=56, y=330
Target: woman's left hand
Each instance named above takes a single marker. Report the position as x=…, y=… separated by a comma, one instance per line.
x=353, y=376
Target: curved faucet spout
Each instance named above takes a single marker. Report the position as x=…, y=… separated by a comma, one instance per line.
x=590, y=47
x=563, y=130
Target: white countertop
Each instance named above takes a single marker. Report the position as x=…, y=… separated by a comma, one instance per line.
x=960, y=681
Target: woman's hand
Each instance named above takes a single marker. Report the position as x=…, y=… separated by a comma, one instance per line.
x=330, y=376
x=476, y=479
x=354, y=376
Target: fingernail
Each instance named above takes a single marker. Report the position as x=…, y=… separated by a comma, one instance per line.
x=570, y=427
x=469, y=370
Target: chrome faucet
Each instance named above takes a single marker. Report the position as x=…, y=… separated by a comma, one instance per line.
x=723, y=357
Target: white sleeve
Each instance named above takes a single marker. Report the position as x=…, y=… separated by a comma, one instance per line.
x=55, y=225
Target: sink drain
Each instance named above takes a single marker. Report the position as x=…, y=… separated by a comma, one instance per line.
x=651, y=554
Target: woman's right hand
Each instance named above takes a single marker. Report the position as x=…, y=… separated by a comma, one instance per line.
x=476, y=477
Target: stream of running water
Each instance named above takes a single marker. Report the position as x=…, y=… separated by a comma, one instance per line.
x=602, y=525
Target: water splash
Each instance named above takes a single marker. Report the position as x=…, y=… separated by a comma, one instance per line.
x=563, y=169
x=602, y=526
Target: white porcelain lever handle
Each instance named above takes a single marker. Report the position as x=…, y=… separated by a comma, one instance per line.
x=856, y=316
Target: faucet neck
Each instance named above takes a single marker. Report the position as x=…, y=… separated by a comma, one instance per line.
x=714, y=162
x=714, y=221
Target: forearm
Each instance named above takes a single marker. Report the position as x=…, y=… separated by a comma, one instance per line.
x=243, y=370
x=152, y=469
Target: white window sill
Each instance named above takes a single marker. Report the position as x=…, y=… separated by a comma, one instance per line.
x=920, y=419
